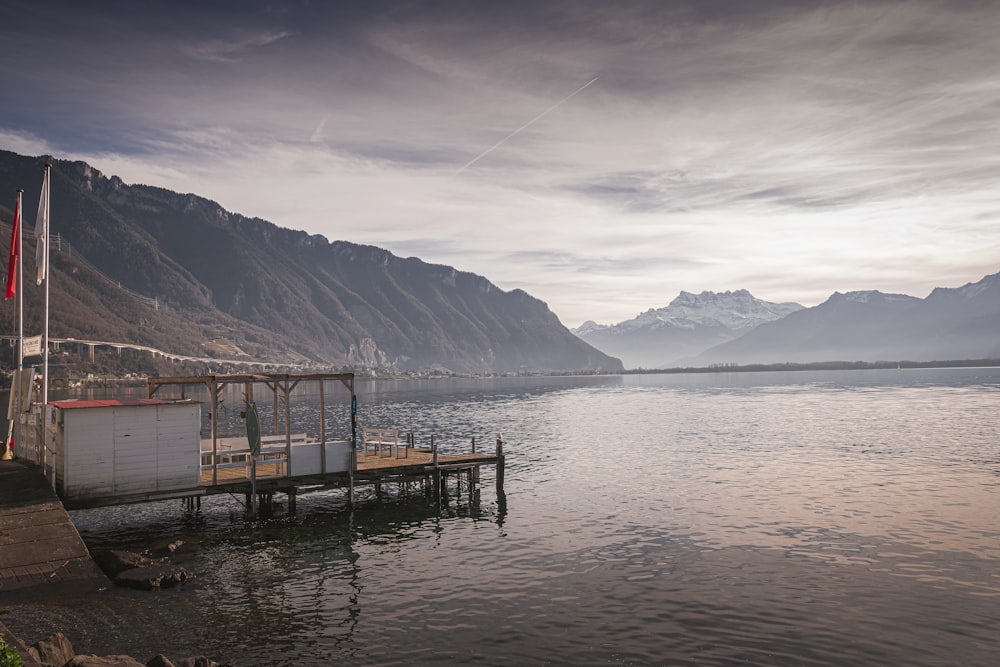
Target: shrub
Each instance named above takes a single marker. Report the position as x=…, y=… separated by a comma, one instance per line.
x=8, y=656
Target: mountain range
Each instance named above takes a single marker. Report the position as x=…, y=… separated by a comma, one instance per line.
x=145, y=265
x=689, y=325
x=950, y=324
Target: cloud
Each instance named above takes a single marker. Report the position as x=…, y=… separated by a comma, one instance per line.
x=24, y=143
x=229, y=50
x=317, y=134
x=791, y=148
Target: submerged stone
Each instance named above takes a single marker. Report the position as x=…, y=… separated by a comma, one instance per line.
x=153, y=576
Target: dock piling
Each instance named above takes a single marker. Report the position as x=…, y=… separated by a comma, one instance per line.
x=500, y=461
x=438, y=477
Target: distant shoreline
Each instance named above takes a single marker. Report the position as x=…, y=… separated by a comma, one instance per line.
x=370, y=374
x=820, y=366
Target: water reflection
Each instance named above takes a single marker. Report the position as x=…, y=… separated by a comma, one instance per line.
x=271, y=592
x=775, y=518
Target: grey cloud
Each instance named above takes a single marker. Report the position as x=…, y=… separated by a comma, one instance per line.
x=587, y=264
x=714, y=124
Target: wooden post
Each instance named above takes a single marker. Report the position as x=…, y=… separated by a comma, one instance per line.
x=473, y=444
x=350, y=477
x=214, y=417
x=322, y=431
x=291, y=493
x=354, y=439
x=286, y=390
x=274, y=407
x=253, y=484
x=500, y=461
x=437, y=469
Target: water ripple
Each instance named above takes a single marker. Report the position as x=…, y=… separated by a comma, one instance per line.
x=770, y=519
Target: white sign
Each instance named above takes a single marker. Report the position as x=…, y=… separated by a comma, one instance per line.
x=33, y=346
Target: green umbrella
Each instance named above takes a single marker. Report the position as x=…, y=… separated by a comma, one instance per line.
x=253, y=428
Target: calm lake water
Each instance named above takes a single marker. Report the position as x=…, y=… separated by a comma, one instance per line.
x=801, y=518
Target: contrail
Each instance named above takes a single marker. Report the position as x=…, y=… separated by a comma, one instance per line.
x=523, y=127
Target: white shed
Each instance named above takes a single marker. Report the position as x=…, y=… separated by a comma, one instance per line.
x=119, y=448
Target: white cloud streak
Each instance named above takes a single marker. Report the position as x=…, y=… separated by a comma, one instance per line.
x=229, y=50
x=525, y=126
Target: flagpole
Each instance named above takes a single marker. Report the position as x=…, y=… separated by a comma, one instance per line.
x=20, y=289
x=47, y=184
x=14, y=405
x=45, y=340
x=16, y=428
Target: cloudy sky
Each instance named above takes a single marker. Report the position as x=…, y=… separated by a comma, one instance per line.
x=600, y=154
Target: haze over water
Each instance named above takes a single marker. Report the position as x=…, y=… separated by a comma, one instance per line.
x=808, y=518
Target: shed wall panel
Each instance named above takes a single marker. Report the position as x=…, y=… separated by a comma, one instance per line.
x=88, y=451
x=306, y=459
x=338, y=456
x=129, y=449
x=178, y=434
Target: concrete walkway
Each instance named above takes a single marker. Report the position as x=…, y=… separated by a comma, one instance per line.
x=39, y=545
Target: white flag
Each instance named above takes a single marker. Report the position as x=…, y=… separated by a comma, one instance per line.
x=42, y=232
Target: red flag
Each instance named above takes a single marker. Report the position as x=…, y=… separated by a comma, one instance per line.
x=15, y=250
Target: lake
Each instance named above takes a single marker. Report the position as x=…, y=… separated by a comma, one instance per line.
x=799, y=518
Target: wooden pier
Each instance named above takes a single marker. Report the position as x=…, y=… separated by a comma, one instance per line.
x=113, y=452
x=432, y=472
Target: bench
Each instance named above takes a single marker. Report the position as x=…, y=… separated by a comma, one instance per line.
x=383, y=439
x=273, y=446
x=236, y=450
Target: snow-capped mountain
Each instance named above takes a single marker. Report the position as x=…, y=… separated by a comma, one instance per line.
x=950, y=324
x=690, y=324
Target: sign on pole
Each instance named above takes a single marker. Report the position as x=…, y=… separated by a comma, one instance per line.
x=32, y=346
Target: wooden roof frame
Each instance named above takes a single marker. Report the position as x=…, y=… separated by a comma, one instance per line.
x=283, y=382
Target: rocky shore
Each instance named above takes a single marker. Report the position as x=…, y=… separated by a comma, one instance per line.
x=41, y=550
x=57, y=651
x=127, y=569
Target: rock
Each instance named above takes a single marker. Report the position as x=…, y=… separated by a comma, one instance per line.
x=160, y=661
x=114, y=563
x=167, y=549
x=30, y=657
x=54, y=650
x=153, y=576
x=197, y=661
x=103, y=661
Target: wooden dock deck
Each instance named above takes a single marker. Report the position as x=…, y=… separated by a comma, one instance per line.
x=369, y=467
x=402, y=467
x=420, y=458
x=419, y=466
